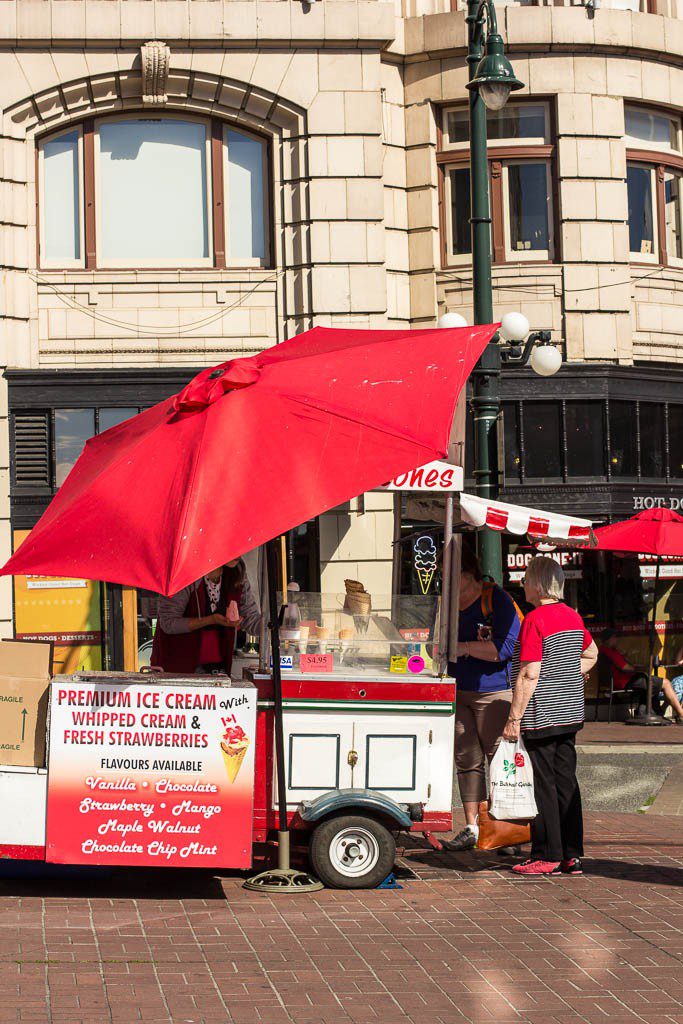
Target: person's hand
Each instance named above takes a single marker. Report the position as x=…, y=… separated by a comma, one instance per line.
x=234, y=623
x=217, y=619
x=511, y=731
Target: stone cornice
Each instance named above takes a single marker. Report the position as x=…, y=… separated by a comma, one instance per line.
x=215, y=23
x=557, y=30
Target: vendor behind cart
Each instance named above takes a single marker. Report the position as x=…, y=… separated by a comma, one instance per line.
x=197, y=627
x=488, y=628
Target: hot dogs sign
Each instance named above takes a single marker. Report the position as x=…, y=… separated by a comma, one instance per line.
x=150, y=775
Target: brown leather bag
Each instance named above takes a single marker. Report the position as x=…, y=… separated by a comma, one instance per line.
x=494, y=834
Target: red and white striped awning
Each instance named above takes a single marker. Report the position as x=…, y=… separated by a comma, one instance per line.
x=536, y=524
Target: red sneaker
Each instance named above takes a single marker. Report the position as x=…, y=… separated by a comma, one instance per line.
x=536, y=867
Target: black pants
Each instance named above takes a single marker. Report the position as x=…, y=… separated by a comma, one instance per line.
x=557, y=829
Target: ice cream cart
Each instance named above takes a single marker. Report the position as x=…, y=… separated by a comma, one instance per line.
x=348, y=734
x=148, y=769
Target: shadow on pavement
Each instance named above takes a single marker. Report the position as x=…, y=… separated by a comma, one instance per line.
x=130, y=884
x=628, y=871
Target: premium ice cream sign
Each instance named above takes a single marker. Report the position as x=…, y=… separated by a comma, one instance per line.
x=437, y=477
x=150, y=775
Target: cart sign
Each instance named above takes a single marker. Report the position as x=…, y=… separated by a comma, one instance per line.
x=437, y=477
x=157, y=775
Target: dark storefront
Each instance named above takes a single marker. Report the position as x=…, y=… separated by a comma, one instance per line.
x=598, y=441
x=52, y=415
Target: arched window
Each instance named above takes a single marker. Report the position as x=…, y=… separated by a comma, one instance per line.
x=145, y=191
x=654, y=173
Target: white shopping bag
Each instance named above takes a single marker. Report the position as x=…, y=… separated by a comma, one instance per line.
x=512, y=783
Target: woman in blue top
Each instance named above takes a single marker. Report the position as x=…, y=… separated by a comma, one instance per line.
x=487, y=632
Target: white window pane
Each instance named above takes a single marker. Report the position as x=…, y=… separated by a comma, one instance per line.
x=515, y=121
x=649, y=127
x=246, y=226
x=60, y=207
x=526, y=121
x=152, y=189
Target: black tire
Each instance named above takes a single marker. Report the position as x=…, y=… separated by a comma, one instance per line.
x=376, y=845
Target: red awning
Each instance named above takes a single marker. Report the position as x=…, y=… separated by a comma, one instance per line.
x=536, y=524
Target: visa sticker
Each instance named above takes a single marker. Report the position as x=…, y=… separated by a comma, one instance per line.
x=286, y=661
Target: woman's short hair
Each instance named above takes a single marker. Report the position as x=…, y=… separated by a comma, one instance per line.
x=546, y=575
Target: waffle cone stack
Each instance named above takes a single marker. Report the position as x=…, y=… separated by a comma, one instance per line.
x=233, y=756
x=358, y=601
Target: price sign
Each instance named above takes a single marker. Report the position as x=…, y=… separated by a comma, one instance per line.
x=316, y=663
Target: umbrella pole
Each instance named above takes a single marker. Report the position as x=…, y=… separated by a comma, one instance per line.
x=650, y=718
x=283, y=878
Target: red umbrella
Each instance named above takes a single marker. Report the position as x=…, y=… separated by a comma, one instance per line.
x=249, y=450
x=657, y=531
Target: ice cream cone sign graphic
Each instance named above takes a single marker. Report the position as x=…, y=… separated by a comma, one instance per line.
x=425, y=576
x=234, y=746
x=425, y=552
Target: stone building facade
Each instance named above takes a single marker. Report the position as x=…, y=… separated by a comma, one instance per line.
x=182, y=181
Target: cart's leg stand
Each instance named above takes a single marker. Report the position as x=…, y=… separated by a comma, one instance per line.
x=283, y=878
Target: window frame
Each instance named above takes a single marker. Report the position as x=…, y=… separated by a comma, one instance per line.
x=526, y=255
x=645, y=257
x=521, y=477
x=500, y=154
x=660, y=159
x=255, y=261
x=142, y=264
x=61, y=264
x=633, y=142
x=216, y=179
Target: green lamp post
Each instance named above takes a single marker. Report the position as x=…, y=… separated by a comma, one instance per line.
x=491, y=82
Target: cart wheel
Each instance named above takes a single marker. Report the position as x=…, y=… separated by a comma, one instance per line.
x=352, y=852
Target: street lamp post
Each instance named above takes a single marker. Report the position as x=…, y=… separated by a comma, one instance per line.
x=491, y=79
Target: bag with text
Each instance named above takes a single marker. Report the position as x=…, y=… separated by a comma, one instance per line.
x=512, y=783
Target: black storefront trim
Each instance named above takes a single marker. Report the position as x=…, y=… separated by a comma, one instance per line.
x=79, y=389
x=47, y=390
x=601, y=499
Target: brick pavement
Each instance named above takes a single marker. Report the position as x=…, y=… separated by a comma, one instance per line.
x=620, y=732
x=464, y=942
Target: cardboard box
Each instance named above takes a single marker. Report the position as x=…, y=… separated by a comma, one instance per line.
x=24, y=690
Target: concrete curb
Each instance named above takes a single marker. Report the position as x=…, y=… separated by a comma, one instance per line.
x=669, y=800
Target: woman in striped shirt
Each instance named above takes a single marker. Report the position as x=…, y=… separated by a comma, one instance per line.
x=554, y=653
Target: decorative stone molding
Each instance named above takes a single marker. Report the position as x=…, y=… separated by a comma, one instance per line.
x=156, y=58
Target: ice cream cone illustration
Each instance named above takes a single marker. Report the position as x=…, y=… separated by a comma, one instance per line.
x=425, y=561
x=425, y=577
x=234, y=746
